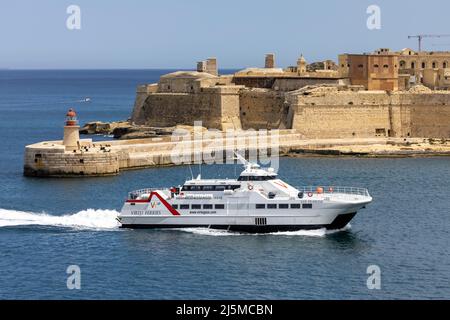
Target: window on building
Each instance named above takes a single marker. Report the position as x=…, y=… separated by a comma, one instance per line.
x=434, y=65
x=402, y=63
x=375, y=66
x=386, y=66
x=444, y=65
x=424, y=65
x=413, y=65
x=360, y=66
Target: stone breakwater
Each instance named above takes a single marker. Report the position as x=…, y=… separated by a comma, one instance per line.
x=53, y=159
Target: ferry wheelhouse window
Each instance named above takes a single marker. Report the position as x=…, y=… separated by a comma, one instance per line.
x=295, y=205
x=219, y=206
x=260, y=206
x=175, y=206
x=196, y=206
x=271, y=206
x=256, y=178
x=184, y=206
x=283, y=206
x=307, y=206
x=207, y=206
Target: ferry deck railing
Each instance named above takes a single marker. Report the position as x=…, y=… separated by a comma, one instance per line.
x=334, y=189
x=137, y=193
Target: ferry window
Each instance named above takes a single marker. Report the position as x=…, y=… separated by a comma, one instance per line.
x=196, y=188
x=307, y=206
x=208, y=188
x=271, y=206
x=283, y=206
x=295, y=205
x=219, y=188
x=196, y=206
x=186, y=188
x=260, y=206
x=175, y=206
x=235, y=187
x=243, y=178
x=207, y=206
x=184, y=206
x=219, y=206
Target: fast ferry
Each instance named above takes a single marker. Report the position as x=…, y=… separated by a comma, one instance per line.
x=257, y=202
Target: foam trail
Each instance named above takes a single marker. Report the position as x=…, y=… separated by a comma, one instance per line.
x=221, y=233
x=86, y=219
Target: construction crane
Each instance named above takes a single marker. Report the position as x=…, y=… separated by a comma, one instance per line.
x=421, y=36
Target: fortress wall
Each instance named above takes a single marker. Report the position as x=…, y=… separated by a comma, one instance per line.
x=341, y=121
x=371, y=114
x=430, y=121
x=263, y=109
x=165, y=110
x=142, y=93
x=217, y=108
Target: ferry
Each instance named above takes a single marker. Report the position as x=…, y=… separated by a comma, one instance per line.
x=257, y=202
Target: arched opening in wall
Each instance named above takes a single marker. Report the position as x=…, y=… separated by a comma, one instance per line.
x=445, y=64
x=434, y=64
x=402, y=64
x=413, y=65
x=424, y=65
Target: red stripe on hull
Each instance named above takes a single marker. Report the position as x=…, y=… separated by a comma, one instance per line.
x=164, y=202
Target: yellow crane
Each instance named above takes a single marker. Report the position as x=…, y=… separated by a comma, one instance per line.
x=421, y=36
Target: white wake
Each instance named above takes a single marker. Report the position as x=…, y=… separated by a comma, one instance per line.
x=86, y=219
x=307, y=233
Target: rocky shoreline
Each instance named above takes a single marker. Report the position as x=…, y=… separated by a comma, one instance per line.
x=125, y=130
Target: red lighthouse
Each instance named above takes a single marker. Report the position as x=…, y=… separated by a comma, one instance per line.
x=71, y=130
x=71, y=118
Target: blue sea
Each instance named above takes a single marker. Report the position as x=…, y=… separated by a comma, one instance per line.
x=47, y=225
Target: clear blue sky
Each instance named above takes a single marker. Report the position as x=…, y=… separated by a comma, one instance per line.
x=177, y=33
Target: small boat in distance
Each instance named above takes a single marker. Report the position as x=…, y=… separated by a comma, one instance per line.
x=87, y=99
x=256, y=202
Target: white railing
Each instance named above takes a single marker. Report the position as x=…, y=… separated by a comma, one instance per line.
x=137, y=193
x=334, y=189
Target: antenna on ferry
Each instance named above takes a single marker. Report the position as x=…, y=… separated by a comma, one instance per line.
x=190, y=169
x=247, y=164
x=241, y=159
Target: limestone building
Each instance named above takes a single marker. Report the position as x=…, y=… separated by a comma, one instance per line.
x=377, y=71
x=427, y=67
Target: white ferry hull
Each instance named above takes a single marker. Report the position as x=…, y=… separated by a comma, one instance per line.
x=142, y=216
